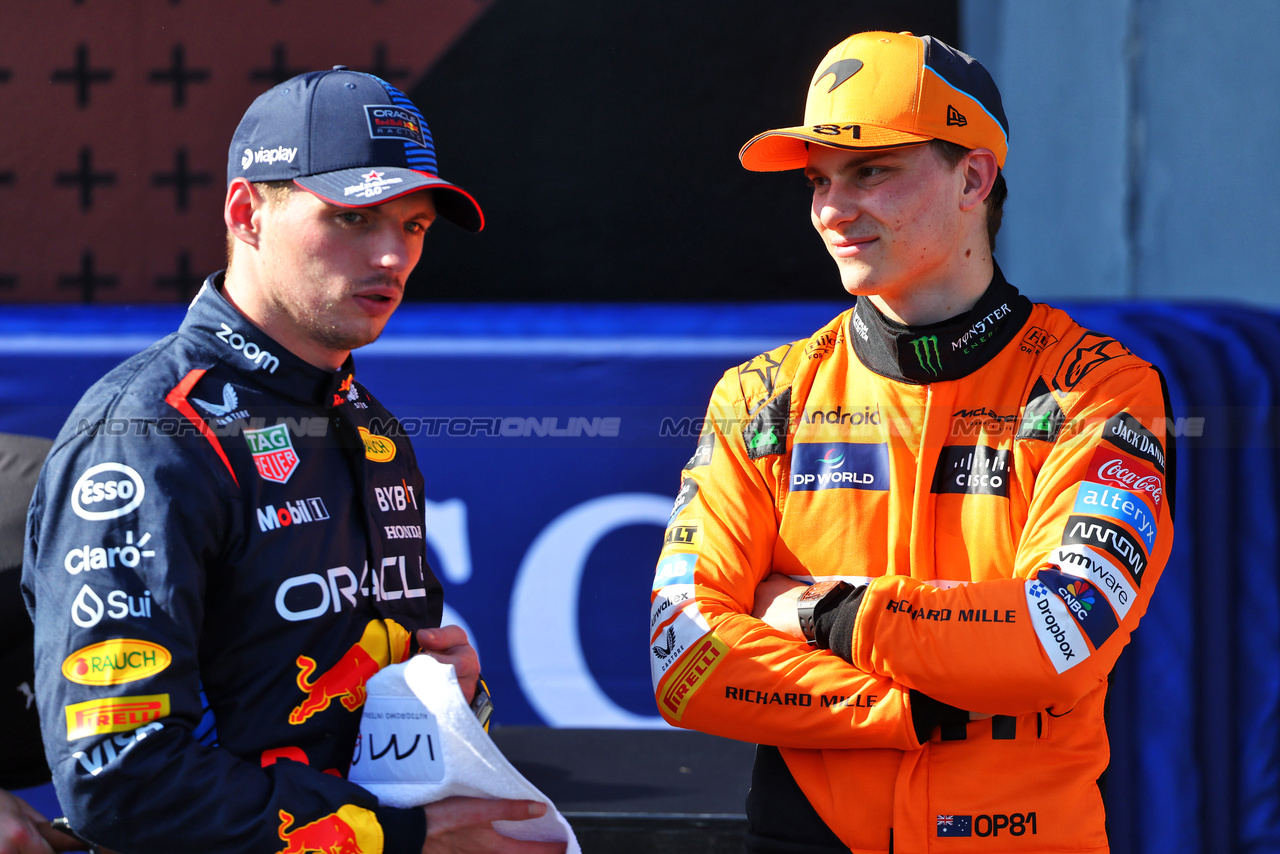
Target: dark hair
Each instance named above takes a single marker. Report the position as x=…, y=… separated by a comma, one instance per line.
x=953, y=154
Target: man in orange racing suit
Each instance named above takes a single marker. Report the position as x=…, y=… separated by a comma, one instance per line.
x=908, y=551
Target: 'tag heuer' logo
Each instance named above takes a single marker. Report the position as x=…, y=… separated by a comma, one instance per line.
x=273, y=453
x=380, y=449
x=114, y=714
x=115, y=661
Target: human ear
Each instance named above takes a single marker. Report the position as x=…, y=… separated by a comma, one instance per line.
x=979, y=169
x=242, y=211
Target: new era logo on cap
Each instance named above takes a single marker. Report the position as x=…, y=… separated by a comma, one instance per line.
x=955, y=118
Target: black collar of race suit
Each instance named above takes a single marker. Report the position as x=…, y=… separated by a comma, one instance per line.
x=937, y=352
x=220, y=327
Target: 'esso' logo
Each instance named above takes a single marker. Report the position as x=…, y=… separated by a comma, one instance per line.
x=107, y=491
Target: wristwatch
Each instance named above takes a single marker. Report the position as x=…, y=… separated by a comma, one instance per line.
x=807, y=606
x=482, y=704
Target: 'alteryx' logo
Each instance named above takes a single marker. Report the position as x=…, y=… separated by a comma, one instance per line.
x=1119, y=504
x=839, y=465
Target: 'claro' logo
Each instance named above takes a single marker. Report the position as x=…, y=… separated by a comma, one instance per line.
x=107, y=491
x=380, y=449
x=115, y=661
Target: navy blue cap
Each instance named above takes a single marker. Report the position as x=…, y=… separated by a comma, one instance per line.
x=350, y=138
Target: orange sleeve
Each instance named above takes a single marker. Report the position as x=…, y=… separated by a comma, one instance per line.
x=715, y=667
x=1098, y=533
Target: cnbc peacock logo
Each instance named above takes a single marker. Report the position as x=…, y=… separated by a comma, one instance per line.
x=1079, y=596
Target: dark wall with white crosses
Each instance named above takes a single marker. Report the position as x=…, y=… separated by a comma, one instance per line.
x=601, y=138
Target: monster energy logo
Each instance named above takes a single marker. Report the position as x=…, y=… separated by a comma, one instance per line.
x=926, y=349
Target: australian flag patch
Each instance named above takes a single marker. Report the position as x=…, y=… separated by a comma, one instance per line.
x=955, y=825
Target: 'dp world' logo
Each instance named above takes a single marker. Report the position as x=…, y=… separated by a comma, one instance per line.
x=839, y=465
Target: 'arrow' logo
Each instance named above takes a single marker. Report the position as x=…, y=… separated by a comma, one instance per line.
x=843, y=69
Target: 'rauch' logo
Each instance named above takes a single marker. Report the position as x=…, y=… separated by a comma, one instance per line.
x=927, y=353
x=380, y=449
x=273, y=453
x=115, y=661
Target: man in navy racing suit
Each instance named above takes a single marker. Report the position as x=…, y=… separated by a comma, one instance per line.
x=226, y=540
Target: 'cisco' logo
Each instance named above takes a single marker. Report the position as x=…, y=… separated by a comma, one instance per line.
x=98, y=495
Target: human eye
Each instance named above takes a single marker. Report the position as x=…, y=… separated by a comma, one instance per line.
x=350, y=217
x=815, y=181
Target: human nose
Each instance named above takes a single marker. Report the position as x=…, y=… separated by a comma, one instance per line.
x=393, y=250
x=834, y=207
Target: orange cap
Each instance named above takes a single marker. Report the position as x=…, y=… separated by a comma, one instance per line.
x=879, y=90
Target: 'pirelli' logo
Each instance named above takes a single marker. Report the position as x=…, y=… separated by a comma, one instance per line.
x=688, y=678
x=114, y=714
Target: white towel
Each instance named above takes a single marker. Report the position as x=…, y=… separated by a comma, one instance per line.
x=408, y=757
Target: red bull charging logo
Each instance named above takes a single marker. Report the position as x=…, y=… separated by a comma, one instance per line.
x=350, y=830
x=383, y=643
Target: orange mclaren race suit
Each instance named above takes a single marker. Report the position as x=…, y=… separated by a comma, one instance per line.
x=997, y=489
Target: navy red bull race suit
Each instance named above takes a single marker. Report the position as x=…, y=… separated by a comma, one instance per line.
x=224, y=545
x=996, y=490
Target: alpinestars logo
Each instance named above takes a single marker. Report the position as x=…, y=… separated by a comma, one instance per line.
x=841, y=70
x=927, y=354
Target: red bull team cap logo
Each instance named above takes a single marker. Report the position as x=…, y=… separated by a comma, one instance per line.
x=273, y=453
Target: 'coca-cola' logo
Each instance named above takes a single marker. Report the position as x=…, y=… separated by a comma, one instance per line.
x=1117, y=471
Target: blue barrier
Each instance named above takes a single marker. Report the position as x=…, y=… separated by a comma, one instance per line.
x=552, y=438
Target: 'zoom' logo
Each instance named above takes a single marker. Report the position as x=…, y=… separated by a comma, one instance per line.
x=250, y=350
